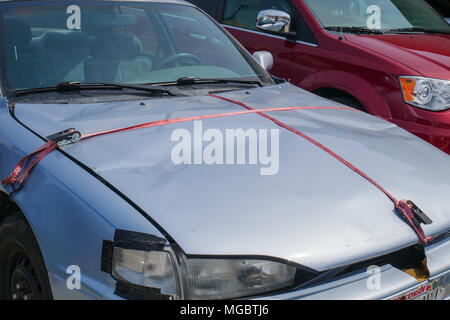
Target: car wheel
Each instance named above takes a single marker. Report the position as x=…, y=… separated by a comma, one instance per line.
x=349, y=101
x=23, y=275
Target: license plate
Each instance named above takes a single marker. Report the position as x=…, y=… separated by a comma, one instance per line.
x=430, y=290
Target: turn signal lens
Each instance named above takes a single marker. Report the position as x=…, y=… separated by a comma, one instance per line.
x=408, y=86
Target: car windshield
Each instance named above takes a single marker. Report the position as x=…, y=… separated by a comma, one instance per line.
x=377, y=15
x=48, y=43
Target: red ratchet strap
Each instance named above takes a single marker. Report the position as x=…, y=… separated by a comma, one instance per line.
x=72, y=136
x=412, y=214
x=40, y=153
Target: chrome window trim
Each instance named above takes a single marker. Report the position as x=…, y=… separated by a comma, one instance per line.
x=269, y=35
x=307, y=43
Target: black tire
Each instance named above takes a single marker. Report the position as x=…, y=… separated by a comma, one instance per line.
x=349, y=101
x=23, y=275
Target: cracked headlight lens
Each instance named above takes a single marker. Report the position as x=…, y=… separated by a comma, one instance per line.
x=426, y=93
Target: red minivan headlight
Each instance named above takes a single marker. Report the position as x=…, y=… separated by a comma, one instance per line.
x=427, y=93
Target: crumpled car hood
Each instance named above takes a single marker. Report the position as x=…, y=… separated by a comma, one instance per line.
x=427, y=54
x=315, y=211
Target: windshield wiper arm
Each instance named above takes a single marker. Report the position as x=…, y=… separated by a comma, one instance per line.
x=354, y=30
x=80, y=85
x=73, y=86
x=185, y=81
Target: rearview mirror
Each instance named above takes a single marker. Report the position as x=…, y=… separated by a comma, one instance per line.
x=265, y=59
x=274, y=21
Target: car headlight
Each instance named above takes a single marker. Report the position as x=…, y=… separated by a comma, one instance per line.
x=150, y=269
x=426, y=93
x=233, y=278
x=156, y=271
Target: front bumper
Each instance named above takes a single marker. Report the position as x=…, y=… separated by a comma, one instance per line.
x=393, y=282
x=354, y=286
x=433, y=127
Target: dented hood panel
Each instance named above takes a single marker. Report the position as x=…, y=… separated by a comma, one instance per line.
x=315, y=211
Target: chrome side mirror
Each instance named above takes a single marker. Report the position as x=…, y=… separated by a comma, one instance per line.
x=274, y=21
x=265, y=59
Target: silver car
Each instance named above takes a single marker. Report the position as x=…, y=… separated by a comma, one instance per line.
x=160, y=160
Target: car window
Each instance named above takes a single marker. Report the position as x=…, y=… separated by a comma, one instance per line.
x=47, y=43
x=209, y=6
x=191, y=36
x=243, y=13
x=382, y=15
x=145, y=29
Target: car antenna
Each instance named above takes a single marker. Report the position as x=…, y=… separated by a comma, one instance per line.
x=341, y=36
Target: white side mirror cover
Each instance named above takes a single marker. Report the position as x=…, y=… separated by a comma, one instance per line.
x=265, y=59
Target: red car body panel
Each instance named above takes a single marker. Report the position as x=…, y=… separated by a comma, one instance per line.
x=365, y=67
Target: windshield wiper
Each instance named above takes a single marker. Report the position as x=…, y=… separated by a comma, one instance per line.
x=354, y=30
x=416, y=29
x=80, y=85
x=186, y=81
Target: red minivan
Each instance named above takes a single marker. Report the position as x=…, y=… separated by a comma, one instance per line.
x=390, y=58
